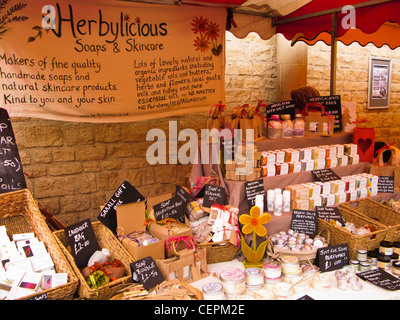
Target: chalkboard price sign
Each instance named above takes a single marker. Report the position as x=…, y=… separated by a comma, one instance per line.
x=333, y=108
x=82, y=240
x=172, y=208
x=333, y=257
x=330, y=213
x=147, y=272
x=182, y=194
x=324, y=175
x=11, y=173
x=126, y=193
x=212, y=195
x=386, y=184
x=304, y=221
x=253, y=188
x=381, y=278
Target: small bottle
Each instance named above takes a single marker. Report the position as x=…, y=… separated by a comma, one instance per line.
x=270, y=200
x=278, y=205
x=286, y=200
x=287, y=126
x=298, y=126
x=259, y=202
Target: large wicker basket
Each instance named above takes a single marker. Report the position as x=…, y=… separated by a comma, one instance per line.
x=378, y=212
x=339, y=235
x=105, y=239
x=219, y=251
x=20, y=213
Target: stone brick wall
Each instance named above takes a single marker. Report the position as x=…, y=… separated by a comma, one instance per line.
x=352, y=83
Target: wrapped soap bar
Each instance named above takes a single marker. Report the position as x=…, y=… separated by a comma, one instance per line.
x=268, y=171
x=319, y=164
x=354, y=159
x=267, y=158
x=350, y=149
x=351, y=195
x=281, y=168
x=331, y=162
x=307, y=165
x=342, y=160
x=294, y=167
x=305, y=154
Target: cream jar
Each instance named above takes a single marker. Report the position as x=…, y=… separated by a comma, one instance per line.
x=396, y=268
x=290, y=264
x=292, y=278
x=213, y=291
x=233, y=282
x=270, y=283
x=386, y=248
x=362, y=254
x=283, y=291
x=254, y=279
x=272, y=269
x=321, y=282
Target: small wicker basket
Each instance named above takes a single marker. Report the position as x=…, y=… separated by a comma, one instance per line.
x=105, y=239
x=379, y=213
x=339, y=235
x=20, y=213
x=219, y=251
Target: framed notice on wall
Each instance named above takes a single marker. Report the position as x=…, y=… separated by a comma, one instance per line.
x=380, y=70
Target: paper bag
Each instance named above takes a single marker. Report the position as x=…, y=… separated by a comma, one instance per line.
x=391, y=168
x=317, y=120
x=364, y=138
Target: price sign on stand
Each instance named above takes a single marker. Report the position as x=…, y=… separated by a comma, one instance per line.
x=253, y=188
x=305, y=221
x=324, y=175
x=333, y=257
x=381, y=278
x=385, y=184
x=126, y=193
x=333, y=108
x=11, y=174
x=147, y=272
x=171, y=208
x=82, y=240
x=330, y=213
x=212, y=195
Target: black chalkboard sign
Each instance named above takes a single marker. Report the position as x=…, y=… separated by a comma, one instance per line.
x=82, y=240
x=330, y=213
x=386, y=184
x=333, y=107
x=253, y=188
x=381, y=278
x=283, y=107
x=182, y=194
x=125, y=193
x=332, y=257
x=146, y=272
x=304, y=221
x=325, y=175
x=173, y=208
x=11, y=173
x=212, y=195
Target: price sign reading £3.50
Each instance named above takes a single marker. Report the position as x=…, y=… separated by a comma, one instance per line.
x=82, y=240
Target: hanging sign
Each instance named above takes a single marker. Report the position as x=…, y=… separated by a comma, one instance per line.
x=11, y=173
x=110, y=61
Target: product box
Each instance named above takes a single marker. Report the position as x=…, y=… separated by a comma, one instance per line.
x=338, y=186
x=340, y=198
x=362, y=193
x=268, y=171
x=291, y=155
x=372, y=191
x=294, y=167
x=339, y=149
x=318, y=153
x=267, y=158
x=302, y=204
x=325, y=186
x=342, y=160
x=300, y=193
x=279, y=156
x=350, y=149
x=307, y=165
x=314, y=189
x=131, y=218
x=319, y=164
x=331, y=162
x=354, y=159
x=330, y=151
x=351, y=195
x=305, y=154
x=350, y=183
x=361, y=182
x=315, y=202
x=328, y=200
x=281, y=168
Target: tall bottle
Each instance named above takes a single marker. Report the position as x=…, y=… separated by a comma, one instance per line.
x=287, y=126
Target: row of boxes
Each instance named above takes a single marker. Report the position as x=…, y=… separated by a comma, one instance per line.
x=286, y=161
x=26, y=266
x=307, y=196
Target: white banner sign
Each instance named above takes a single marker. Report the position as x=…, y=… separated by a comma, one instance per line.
x=110, y=61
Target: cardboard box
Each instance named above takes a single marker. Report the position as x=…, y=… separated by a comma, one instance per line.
x=130, y=218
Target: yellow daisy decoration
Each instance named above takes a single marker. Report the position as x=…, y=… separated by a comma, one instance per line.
x=253, y=223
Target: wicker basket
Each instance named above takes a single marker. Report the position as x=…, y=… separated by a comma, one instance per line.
x=339, y=235
x=277, y=253
x=105, y=239
x=20, y=213
x=219, y=251
x=378, y=212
